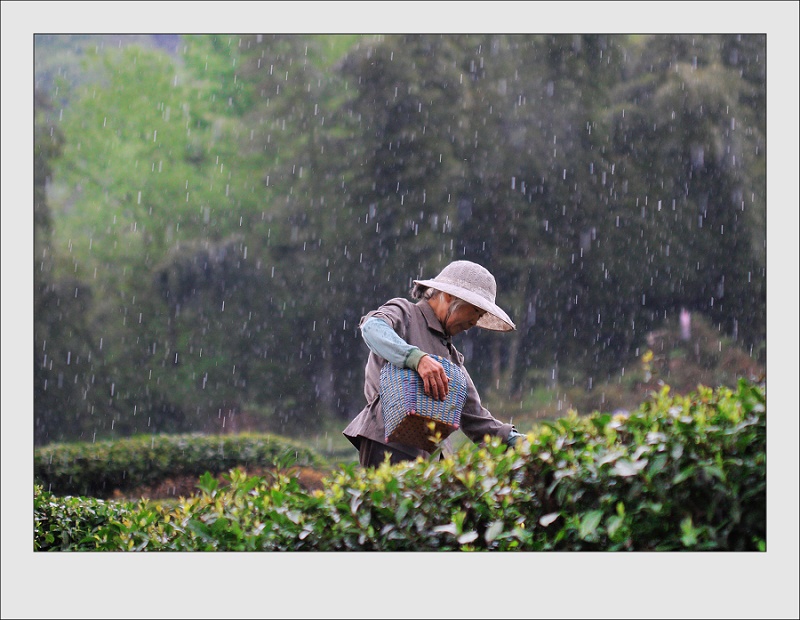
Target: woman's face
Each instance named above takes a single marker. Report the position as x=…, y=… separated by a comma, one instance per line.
x=462, y=318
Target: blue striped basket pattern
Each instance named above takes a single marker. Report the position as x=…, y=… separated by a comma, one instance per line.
x=411, y=417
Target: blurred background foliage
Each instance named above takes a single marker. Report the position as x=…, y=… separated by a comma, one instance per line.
x=214, y=213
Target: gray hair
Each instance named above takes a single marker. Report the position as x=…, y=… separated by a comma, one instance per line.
x=418, y=291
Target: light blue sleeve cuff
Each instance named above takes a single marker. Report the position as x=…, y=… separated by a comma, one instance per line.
x=384, y=341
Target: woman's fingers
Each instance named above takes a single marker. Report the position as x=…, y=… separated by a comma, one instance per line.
x=434, y=378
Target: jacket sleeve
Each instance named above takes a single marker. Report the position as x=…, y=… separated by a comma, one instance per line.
x=477, y=421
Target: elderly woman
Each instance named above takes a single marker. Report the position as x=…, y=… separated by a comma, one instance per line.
x=408, y=334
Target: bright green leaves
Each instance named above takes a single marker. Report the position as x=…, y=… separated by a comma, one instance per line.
x=208, y=484
x=678, y=473
x=589, y=523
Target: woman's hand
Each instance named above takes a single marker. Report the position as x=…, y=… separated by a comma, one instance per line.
x=433, y=377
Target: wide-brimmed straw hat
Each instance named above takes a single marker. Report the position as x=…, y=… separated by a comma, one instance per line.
x=475, y=285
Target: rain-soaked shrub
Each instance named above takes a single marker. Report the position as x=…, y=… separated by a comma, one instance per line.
x=72, y=523
x=679, y=473
x=97, y=469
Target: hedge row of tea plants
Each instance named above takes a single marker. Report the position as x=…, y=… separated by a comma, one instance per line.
x=678, y=473
x=95, y=469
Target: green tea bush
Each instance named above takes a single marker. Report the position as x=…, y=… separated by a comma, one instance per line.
x=73, y=523
x=679, y=473
x=94, y=469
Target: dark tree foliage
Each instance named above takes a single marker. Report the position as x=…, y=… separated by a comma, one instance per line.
x=66, y=368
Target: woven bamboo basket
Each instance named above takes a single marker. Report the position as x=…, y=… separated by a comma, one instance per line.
x=413, y=418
